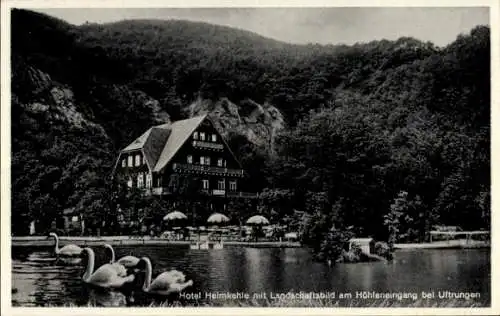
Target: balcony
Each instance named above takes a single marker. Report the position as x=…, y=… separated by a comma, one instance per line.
x=231, y=194
x=206, y=192
x=207, y=145
x=202, y=169
x=248, y=195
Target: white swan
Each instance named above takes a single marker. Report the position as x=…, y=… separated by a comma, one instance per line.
x=70, y=250
x=166, y=283
x=120, y=269
x=124, y=263
x=106, y=276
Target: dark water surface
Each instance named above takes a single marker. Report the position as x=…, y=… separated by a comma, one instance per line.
x=38, y=280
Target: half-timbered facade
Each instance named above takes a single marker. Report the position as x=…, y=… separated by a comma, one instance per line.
x=185, y=158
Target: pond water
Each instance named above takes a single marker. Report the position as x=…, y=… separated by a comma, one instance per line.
x=38, y=280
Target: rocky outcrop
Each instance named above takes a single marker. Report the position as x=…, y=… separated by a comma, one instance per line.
x=38, y=79
x=259, y=123
x=54, y=101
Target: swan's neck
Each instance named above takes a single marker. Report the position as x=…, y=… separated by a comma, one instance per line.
x=56, y=246
x=112, y=254
x=90, y=265
x=149, y=275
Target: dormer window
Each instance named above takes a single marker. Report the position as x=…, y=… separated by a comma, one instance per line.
x=143, y=160
x=124, y=162
x=195, y=135
x=214, y=138
x=130, y=161
x=137, y=160
x=189, y=159
x=202, y=136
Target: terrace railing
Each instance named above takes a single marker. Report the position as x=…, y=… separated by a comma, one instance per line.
x=241, y=194
x=204, y=169
x=207, y=145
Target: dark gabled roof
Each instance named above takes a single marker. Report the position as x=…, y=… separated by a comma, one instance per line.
x=160, y=143
x=154, y=144
x=138, y=142
x=179, y=133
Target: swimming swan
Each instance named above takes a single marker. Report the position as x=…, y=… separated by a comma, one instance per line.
x=120, y=269
x=106, y=276
x=124, y=263
x=127, y=261
x=68, y=250
x=166, y=283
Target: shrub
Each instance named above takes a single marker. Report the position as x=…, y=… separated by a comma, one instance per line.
x=382, y=249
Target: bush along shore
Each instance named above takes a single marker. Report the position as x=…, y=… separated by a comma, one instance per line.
x=382, y=253
x=338, y=245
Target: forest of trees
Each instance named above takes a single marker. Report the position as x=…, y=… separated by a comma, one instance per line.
x=378, y=134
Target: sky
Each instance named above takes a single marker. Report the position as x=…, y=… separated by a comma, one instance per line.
x=308, y=25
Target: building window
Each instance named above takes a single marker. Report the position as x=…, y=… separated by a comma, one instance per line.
x=219, y=162
x=130, y=161
x=140, y=180
x=129, y=182
x=190, y=159
x=124, y=162
x=195, y=135
x=143, y=160
x=232, y=185
x=205, y=184
x=137, y=160
x=214, y=138
x=202, y=136
x=205, y=160
x=221, y=185
x=149, y=180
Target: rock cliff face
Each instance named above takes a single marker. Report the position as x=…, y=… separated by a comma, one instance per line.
x=53, y=102
x=258, y=123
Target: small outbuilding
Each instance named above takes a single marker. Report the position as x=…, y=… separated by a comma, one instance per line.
x=367, y=245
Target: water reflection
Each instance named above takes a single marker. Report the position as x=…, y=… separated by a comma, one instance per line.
x=103, y=298
x=40, y=280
